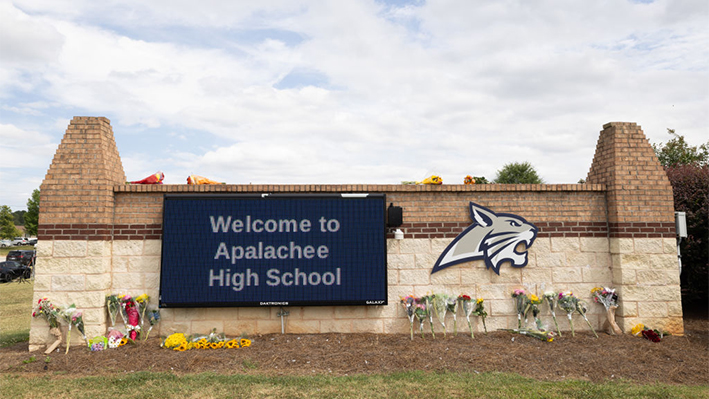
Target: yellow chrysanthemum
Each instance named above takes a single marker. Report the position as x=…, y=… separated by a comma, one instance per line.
x=637, y=330
x=175, y=340
x=245, y=342
x=479, y=300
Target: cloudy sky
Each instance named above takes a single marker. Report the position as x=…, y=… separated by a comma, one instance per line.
x=368, y=91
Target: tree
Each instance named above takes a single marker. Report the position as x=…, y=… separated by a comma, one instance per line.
x=32, y=214
x=518, y=173
x=678, y=152
x=18, y=217
x=690, y=187
x=7, y=225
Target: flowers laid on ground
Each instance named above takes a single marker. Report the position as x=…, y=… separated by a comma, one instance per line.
x=567, y=301
x=468, y=307
x=534, y=303
x=180, y=342
x=113, y=306
x=440, y=305
x=142, y=302
x=428, y=300
x=66, y=315
x=522, y=303
x=654, y=335
x=609, y=299
x=452, y=305
x=153, y=319
x=129, y=309
x=546, y=336
x=409, y=303
x=480, y=311
x=77, y=319
x=421, y=312
x=98, y=344
x=49, y=312
x=552, y=298
x=115, y=338
x=582, y=308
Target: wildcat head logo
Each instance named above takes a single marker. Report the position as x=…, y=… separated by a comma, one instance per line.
x=493, y=237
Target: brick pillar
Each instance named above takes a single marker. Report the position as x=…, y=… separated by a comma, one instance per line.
x=641, y=228
x=75, y=225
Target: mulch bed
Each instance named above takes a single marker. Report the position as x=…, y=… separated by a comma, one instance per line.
x=675, y=360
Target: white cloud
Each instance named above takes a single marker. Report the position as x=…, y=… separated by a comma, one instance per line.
x=375, y=93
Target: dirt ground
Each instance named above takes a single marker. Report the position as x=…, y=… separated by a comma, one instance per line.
x=675, y=360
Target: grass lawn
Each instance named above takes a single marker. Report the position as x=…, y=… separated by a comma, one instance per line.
x=15, y=312
x=399, y=385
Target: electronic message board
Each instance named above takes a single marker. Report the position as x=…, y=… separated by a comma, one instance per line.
x=273, y=250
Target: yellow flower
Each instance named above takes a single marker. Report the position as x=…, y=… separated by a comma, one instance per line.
x=220, y=344
x=245, y=342
x=124, y=341
x=596, y=289
x=637, y=330
x=534, y=299
x=213, y=345
x=479, y=300
x=232, y=344
x=183, y=347
x=142, y=298
x=175, y=340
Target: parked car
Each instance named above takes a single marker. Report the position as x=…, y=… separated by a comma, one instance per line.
x=25, y=257
x=19, y=241
x=5, y=243
x=11, y=270
x=32, y=241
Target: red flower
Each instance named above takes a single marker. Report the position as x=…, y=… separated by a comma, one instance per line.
x=651, y=335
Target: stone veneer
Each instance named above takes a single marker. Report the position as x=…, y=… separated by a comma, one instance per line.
x=100, y=236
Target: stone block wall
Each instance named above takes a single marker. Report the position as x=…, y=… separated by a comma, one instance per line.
x=611, y=231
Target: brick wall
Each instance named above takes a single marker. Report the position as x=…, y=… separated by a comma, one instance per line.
x=100, y=236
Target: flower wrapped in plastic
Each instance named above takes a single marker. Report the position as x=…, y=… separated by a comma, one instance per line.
x=551, y=298
x=409, y=304
x=567, y=301
x=582, y=308
x=66, y=315
x=114, y=338
x=546, y=336
x=522, y=305
x=129, y=310
x=534, y=303
x=142, y=302
x=480, y=312
x=153, y=319
x=654, y=335
x=194, y=179
x=98, y=343
x=46, y=309
x=113, y=306
x=421, y=312
x=433, y=179
x=155, y=178
x=440, y=305
x=468, y=180
x=428, y=300
x=77, y=319
x=466, y=302
x=452, y=304
x=609, y=299
x=174, y=341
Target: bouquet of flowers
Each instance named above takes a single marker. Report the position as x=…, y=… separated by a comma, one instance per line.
x=567, y=301
x=653, y=335
x=115, y=338
x=609, y=299
x=421, y=312
x=551, y=299
x=153, y=319
x=130, y=313
x=46, y=309
x=534, y=303
x=66, y=315
x=522, y=303
x=546, y=336
x=142, y=302
x=440, y=305
x=409, y=304
x=113, y=305
x=452, y=305
x=480, y=311
x=428, y=300
x=98, y=344
x=468, y=307
x=77, y=319
x=582, y=309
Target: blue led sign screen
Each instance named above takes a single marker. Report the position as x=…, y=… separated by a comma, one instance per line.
x=273, y=250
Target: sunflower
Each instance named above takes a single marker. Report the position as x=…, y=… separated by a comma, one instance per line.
x=220, y=344
x=213, y=345
x=202, y=341
x=232, y=344
x=245, y=342
x=124, y=341
x=183, y=347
